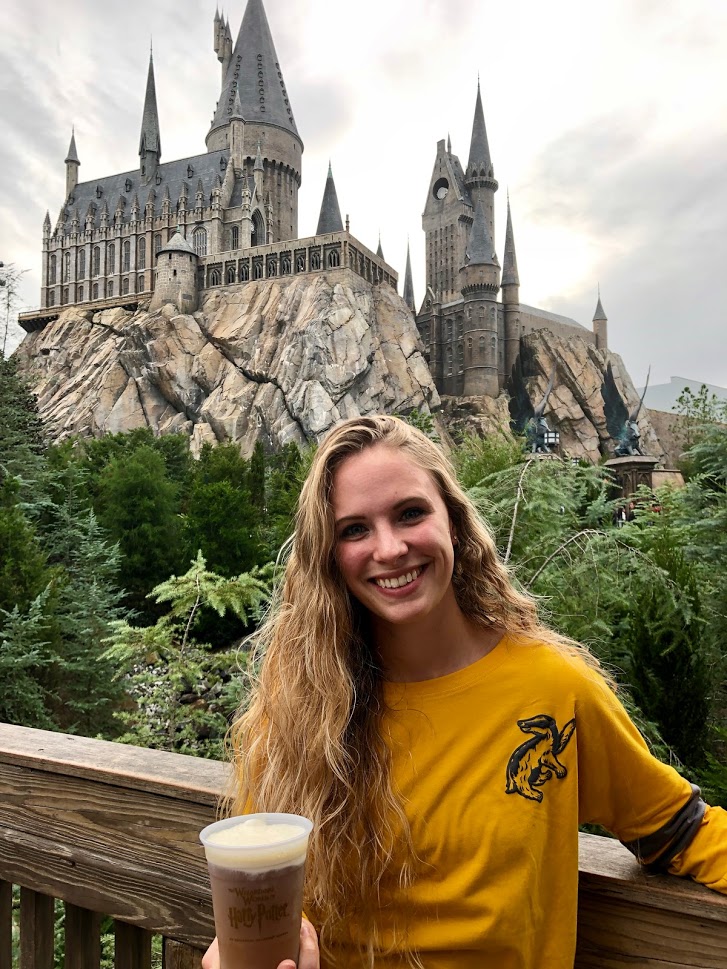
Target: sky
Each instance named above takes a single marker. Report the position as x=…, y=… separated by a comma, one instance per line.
x=606, y=123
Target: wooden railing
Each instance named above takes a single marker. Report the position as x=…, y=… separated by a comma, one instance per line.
x=112, y=830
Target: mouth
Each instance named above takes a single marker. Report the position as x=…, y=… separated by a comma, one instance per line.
x=400, y=581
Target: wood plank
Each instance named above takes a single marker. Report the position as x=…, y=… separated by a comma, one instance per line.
x=177, y=955
x=6, y=925
x=133, y=947
x=82, y=938
x=36, y=930
x=157, y=771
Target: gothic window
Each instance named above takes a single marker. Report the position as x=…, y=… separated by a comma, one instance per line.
x=82, y=264
x=244, y=272
x=141, y=254
x=95, y=291
x=140, y=284
x=110, y=288
x=111, y=258
x=258, y=229
x=449, y=360
x=460, y=356
x=64, y=298
x=199, y=240
x=300, y=263
x=52, y=274
x=215, y=277
x=493, y=342
x=315, y=260
x=272, y=266
x=157, y=242
x=96, y=270
x=235, y=237
x=482, y=344
x=482, y=312
x=257, y=270
x=334, y=258
x=66, y=266
x=51, y=299
x=80, y=294
x=127, y=256
x=125, y=286
x=285, y=266
x=460, y=326
x=449, y=331
x=230, y=275
x=469, y=344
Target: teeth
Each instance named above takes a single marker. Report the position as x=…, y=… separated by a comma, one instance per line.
x=398, y=582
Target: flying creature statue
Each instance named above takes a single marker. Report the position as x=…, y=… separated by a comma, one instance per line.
x=621, y=424
x=524, y=417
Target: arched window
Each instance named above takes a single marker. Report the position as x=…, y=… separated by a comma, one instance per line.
x=51, y=299
x=215, y=277
x=482, y=344
x=258, y=229
x=52, y=274
x=96, y=268
x=140, y=284
x=82, y=264
x=127, y=256
x=125, y=286
x=230, y=275
x=157, y=242
x=65, y=295
x=110, y=288
x=257, y=270
x=199, y=241
x=66, y=266
x=460, y=356
x=315, y=260
x=235, y=237
x=244, y=272
x=141, y=254
x=334, y=259
x=111, y=258
x=285, y=266
x=272, y=266
x=300, y=263
x=95, y=291
x=80, y=294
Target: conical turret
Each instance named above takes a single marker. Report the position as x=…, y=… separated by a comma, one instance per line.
x=480, y=250
x=330, y=218
x=600, y=315
x=150, y=145
x=408, y=282
x=479, y=162
x=72, y=166
x=509, y=263
x=600, y=325
x=379, y=250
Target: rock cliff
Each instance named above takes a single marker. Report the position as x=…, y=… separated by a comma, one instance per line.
x=276, y=361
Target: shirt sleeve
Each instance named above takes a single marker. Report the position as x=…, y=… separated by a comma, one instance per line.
x=655, y=812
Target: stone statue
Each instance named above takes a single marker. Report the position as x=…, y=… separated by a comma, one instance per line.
x=526, y=419
x=621, y=424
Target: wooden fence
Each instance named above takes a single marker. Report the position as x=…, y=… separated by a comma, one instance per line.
x=112, y=830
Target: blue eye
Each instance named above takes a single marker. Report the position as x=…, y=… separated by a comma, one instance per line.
x=413, y=514
x=352, y=531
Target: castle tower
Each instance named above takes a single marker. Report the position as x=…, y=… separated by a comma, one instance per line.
x=254, y=75
x=480, y=282
x=510, y=297
x=330, y=218
x=150, y=145
x=408, y=282
x=480, y=176
x=446, y=221
x=175, y=277
x=600, y=325
x=72, y=166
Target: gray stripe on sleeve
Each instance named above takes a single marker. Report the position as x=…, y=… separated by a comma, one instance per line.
x=663, y=845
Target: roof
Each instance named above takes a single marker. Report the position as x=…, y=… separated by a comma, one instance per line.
x=555, y=317
x=178, y=244
x=599, y=314
x=509, y=261
x=150, y=139
x=255, y=75
x=173, y=177
x=408, y=283
x=330, y=218
x=479, y=147
x=480, y=250
x=72, y=153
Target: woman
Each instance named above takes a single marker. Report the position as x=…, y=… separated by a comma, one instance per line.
x=444, y=742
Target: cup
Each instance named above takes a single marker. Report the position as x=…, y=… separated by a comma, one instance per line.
x=257, y=865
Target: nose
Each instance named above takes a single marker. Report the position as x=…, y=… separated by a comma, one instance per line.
x=388, y=544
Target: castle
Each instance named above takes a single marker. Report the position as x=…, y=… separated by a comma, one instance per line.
x=167, y=231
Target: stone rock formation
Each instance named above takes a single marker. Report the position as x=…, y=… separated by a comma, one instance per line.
x=277, y=361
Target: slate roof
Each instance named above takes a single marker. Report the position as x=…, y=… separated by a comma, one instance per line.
x=72, y=153
x=408, y=282
x=555, y=317
x=178, y=244
x=236, y=198
x=479, y=147
x=480, y=251
x=255, y=75
x=509, y=261
x=150, y=139
x=173, y=177
x=330, y=218
x=599, y=314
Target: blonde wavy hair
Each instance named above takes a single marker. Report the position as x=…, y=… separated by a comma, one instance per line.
x=311, y=741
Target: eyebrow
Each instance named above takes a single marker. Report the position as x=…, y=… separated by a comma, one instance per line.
x=395, y=507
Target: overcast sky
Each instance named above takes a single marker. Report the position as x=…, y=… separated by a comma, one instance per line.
x=607, y=121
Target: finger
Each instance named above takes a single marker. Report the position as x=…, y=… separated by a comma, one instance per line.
x=211, y=958
x=309, y=956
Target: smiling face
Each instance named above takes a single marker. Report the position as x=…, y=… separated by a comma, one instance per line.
x=393, y=537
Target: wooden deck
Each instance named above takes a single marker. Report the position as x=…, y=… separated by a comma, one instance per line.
x=111, y=829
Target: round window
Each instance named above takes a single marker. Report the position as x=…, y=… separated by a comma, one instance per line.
x=441, y=187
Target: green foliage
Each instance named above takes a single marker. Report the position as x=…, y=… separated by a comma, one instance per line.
x=21, y=430
x=423, y=421
x=476, y=457
x=697, y=414
x=183, y=693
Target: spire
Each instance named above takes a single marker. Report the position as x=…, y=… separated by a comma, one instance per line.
x=449, y=145
x=479, y=148
x=254, y=72
x=72, y=153
x=380, y=251
x=259, y=167
x=330, y=218
x=408, y=283
x=599, y=314
x=509, y=263
x=149, y=140
x=479, y=247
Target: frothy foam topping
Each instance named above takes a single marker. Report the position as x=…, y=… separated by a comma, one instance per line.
x=256, y=832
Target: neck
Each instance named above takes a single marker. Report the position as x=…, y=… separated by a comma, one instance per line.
x=433, y=647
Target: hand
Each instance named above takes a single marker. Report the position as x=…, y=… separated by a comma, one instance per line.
x=309, y=955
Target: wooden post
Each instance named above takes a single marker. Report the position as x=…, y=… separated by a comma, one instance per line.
x=133, y=947
x=6, y=925
x=178, y=955
x=83, y=938
x=36, y=930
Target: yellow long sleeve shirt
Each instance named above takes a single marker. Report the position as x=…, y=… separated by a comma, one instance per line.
x=498, y=764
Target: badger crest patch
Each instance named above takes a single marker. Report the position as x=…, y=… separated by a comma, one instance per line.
x=536, y=761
